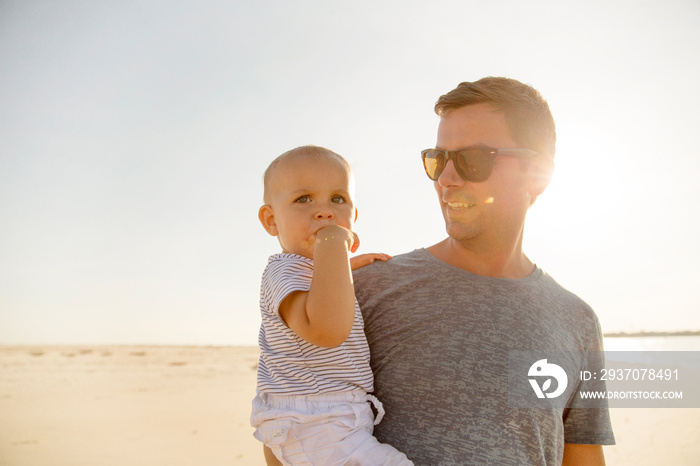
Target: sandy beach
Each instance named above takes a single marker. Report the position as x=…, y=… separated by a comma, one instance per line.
x=151, y=405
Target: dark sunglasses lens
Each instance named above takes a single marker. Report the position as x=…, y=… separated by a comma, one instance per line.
x=473, y=164
x=434, y=162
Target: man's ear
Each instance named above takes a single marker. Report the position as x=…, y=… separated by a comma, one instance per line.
x=267, y=219
x=541, y=171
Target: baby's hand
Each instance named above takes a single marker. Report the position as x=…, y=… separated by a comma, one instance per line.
x=366, y=259
x=338, y=233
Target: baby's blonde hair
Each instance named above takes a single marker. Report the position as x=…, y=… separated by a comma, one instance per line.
x=298, y=152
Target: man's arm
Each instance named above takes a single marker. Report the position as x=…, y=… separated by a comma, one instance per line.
x=577, y=455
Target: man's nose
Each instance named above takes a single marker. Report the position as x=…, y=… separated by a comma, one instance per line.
x=449, y=176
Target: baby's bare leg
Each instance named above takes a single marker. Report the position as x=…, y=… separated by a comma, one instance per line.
x=270, y=457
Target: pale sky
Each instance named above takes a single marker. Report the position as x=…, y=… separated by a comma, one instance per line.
x=134, y=136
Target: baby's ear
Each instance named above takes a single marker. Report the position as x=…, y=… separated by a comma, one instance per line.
x=267, y=218
x=355, y=215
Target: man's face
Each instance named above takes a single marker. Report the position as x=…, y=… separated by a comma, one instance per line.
x=491, y=209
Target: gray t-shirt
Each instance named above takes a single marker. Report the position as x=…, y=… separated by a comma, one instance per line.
x=440, y=338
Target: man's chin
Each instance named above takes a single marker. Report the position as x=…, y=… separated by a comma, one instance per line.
x=460, y=232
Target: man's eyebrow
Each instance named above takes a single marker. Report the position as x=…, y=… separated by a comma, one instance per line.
x=478, y=144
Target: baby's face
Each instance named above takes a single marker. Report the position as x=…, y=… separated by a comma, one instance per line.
x=308, y=193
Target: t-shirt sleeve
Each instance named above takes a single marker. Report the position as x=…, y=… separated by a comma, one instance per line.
x=590, y=425
x=283, y=277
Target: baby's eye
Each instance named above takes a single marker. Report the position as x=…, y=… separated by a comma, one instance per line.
x=338, y=199
x=303, y=199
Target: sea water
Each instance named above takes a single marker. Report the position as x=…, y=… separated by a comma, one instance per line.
x=669, y=343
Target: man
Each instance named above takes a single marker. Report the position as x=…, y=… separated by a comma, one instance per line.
x=442, y=321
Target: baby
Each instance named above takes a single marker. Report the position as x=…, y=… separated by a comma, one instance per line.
x=314, y=379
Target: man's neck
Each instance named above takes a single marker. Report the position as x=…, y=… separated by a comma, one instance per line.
x=503, y=262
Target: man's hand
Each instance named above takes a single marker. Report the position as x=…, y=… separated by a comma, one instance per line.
x=360, y=261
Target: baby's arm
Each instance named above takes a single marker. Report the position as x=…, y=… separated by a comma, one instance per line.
x=360, y=261
x=324, y=315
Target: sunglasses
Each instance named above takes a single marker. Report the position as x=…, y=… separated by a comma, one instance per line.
x=472, y=163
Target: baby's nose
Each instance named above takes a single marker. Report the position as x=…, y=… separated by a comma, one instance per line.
x=324, y=214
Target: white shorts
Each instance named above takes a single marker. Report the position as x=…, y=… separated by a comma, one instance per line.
x=328, y=429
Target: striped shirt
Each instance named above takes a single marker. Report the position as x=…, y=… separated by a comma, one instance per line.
x=290, y=365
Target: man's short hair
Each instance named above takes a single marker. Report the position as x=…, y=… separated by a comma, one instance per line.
x=526, y=111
